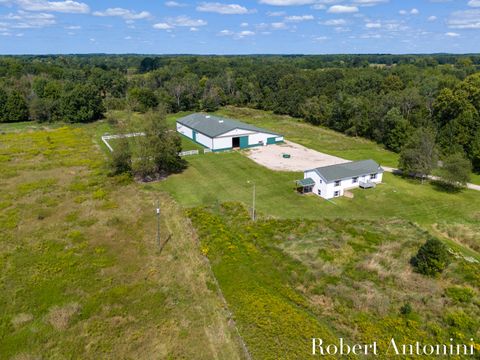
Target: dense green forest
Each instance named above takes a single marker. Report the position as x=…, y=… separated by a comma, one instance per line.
x=386, y=98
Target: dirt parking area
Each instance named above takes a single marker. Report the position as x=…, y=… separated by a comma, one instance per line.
x=301, y=158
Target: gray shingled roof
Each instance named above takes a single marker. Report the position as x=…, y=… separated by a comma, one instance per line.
x=348, y=170
x=213, y=126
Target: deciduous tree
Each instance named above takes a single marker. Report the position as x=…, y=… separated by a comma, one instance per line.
x=419, y=156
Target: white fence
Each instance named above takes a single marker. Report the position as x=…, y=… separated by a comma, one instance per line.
x=120, y=136
x=105, y=139
x=189, y=152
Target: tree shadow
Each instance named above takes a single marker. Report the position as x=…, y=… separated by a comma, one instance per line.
x=443, y=186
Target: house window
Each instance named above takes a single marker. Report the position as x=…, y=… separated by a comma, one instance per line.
x=319, y=192
x=354, y=180
x=336, y=193
x=373, y=176
x=337, y=182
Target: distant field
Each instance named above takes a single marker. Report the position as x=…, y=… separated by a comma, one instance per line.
x=80, y=274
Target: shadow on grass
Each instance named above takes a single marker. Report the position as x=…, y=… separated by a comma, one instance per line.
x=446, y=187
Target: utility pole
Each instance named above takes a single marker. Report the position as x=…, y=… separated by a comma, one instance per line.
x=253, y=211
x=253, y=199
x=158, y=223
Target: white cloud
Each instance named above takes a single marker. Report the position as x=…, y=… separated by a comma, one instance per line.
x=299, y=18
x=187, y=21
x=320, y=38
x=73, y=27
x=162, y=26
x=278, y=25
x=194, y=29
x=244, y=24
x=236, y=35
x=373, y=25
x=246, y=33
x=452, y=34
x=226, y=9
x=370, y=36
x=124, y=14
x=369, y=2
x=468, y=19
x=67, y=6
x=474, y=3
x=432, y=18
x=411, y=12
x=287, y=2
x=342, y=9
x=276, y=13
x=334, y=22
x=26, y=20
x=318, y=7
x=128, y=38
x=174, y=4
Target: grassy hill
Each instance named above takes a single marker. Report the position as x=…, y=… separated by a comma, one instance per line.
x=80, y=271
x=290, y=280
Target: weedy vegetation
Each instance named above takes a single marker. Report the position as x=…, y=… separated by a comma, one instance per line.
x=290, y=280
x=80, y=272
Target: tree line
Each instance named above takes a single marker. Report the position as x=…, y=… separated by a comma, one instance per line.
x=390, y=99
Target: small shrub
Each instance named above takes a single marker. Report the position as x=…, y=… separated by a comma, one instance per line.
x=460, y=294
x=432, y=258
x=406, y=309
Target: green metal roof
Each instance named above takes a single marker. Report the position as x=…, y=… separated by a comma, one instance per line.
x=348, y=170
x=213, y=126
x=306, y=182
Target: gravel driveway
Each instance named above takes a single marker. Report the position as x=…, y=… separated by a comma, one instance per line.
x=301, y=158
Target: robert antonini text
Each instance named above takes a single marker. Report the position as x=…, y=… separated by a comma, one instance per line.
x=319, y=348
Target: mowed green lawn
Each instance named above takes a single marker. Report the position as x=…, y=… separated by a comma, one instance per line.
x=220, y=177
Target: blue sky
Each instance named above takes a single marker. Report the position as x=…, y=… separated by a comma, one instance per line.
x=239, y=27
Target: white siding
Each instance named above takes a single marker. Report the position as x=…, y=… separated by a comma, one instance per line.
x=328, y=189
x=204, y=140
x=237, y=132
x=182, y=129
x=225, y=140
x=319, y=182
x=222, y=143
x=260, y=138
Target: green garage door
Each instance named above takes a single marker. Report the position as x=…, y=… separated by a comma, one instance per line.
x=243, y=142
x=271, y=141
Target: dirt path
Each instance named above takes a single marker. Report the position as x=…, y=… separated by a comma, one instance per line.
x=431, y=177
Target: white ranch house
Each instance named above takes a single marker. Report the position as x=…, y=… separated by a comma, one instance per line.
x=332, y=181
x=218, y=133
